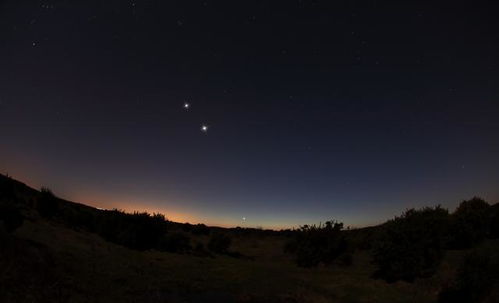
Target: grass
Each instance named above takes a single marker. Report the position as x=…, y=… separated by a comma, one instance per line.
x=90, y=268
x=46, y=261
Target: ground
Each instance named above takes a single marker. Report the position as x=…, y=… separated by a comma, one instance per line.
x=47, y=262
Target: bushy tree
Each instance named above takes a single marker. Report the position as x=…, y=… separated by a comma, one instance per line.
x=470, y=223
x=412, y=245
x=313, y=244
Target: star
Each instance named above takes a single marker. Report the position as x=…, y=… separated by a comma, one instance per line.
x=244, y=218
x=187, y=105
x=204, y=128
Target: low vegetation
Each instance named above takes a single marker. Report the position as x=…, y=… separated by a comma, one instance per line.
x=411, y=246
x=477, y=279
x=432, y=254
x=313, y=245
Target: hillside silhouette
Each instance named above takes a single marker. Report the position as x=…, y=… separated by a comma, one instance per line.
x=54, y=250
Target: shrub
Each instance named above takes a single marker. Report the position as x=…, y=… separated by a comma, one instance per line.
x=346, y=259
x=11, y=217
x=219, y=243
x=47, y=204
x=411, y=246
x=477, y=277
x=317, y=244
x=139, y=231
x=494, y=222
x=469, y=223
x=176, y=242
x=200, y=229
x=7, y=188
x=80, y=218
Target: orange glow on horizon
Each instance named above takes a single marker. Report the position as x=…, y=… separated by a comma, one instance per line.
x=109, y=201
x=170, y=213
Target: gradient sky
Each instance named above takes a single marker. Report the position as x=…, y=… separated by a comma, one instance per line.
x=355, y=110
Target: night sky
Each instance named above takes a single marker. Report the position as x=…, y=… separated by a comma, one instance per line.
x=352, y=110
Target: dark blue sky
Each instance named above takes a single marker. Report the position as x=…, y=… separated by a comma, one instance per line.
x=355, y=110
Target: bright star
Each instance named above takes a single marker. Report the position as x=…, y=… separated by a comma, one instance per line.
x=204, y=128
x=187, y=105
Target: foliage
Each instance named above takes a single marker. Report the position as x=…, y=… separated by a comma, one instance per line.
x=469, y=223
x=411, y=246
x=11, y=217
x=47, y=204
x=7, y=188
x=313, y=245
x=176, y=242
x=80, y=218
x=219, y=243
x=477, y=277
x=200, y=229
x=494, y=222
x=139, y=231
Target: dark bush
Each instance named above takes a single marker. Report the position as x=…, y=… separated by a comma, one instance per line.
x=187, y=227
x=412, y=245
x=494, y=222
x=346, y=259
x=200, y=229
x=47, y=204
x=477, y=277
x=80, y=219
x=313, y=245
x=176, y=242
x=199, y=248
x=470, y=223
x=11, y=216
x=139, y=231
x=7, y=188
x=219, y=243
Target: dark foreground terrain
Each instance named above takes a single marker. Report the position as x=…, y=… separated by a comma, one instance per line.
x=52, y=250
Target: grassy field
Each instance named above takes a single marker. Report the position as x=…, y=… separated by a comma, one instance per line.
x=50, y=261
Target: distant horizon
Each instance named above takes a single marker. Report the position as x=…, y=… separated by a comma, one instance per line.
x=181, y=218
